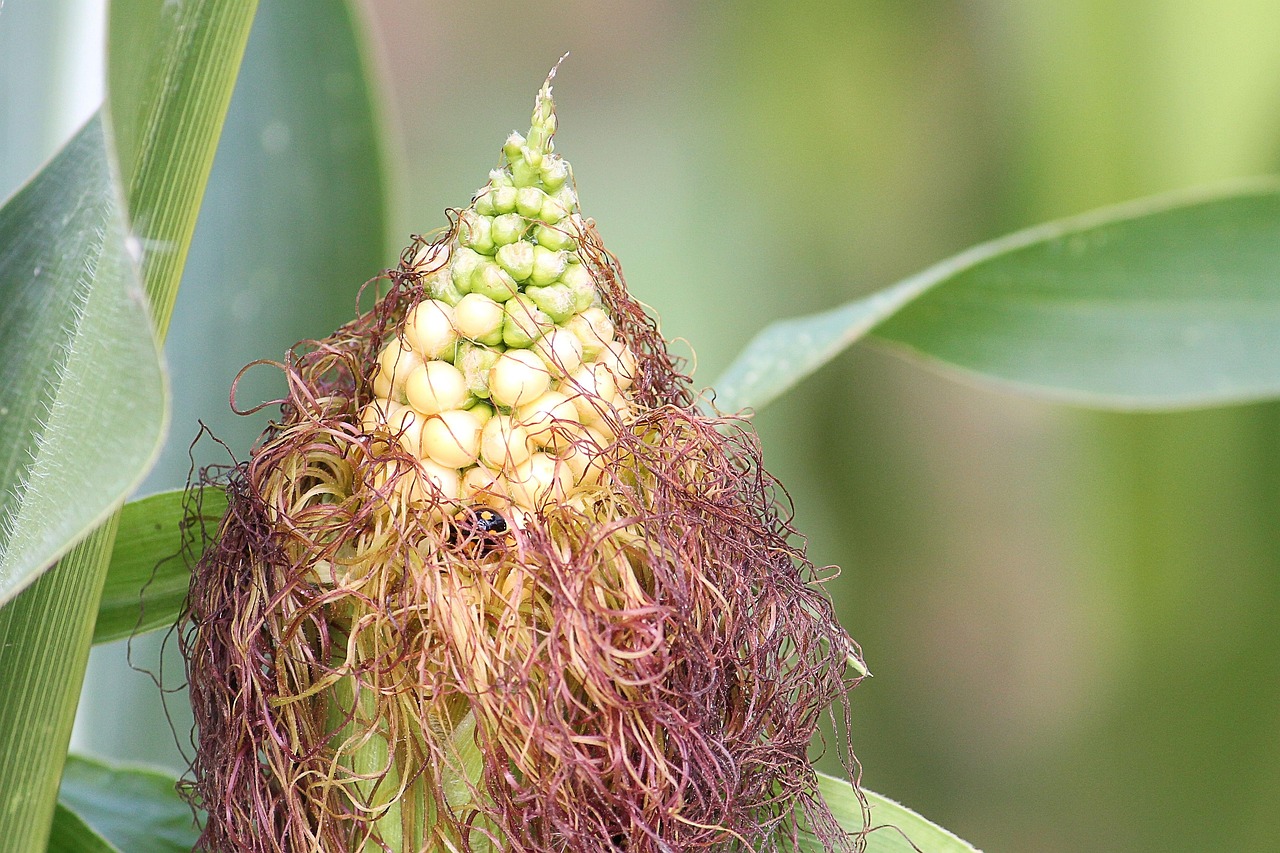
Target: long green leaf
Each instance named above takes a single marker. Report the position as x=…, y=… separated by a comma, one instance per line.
x=70, y=834
x=136, y=809
x=46, y=632
x=171, y=69
x=292, y=223
x=81, y=393
x=1163, y=303
x=150, y=570
x=894, y=828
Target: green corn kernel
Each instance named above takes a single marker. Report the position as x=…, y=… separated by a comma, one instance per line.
x=544, y=123
x=474, y=232
x=439, y=285
x=529, y=201
x=512, y=146
x=555, y=300
x=525, y=322
x=548, y=265
x=532, y=156
x=523, y=174
x=555, y=171
x=494, y=282
x=517, y=259
x=577, y=278
x=553, y=238
x=504, y=198
x=552, y=210
x=567, y=196
x=465, y=263
x=475, y=362
x=483, y=203
x=508, y=228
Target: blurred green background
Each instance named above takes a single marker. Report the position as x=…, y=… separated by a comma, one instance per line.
x=1072, y=617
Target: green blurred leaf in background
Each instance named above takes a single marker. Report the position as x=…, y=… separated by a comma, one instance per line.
x=150, y=567
x=1165, y=303
x=134, y=809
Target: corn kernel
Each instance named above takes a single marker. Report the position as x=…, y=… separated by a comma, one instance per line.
x=539, y=479
x=504, y=444
x=517, y=377
x=396, y=361
x=435, y=387
x=478, y=317
x=542, y=417
x=429, y=328
x=560, y=351
x=451, y=438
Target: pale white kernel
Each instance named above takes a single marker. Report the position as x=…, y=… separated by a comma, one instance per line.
x=452, y=438
x=405, y=426
x=444, y=480
x=543, y=417
x=594, y=328
x=375, y=415
x=518, y=377
x=584, y=460
x=430, y=257
x=592, y=390
x=435, y=387
x=429, y=328
x=560, y=350
x=621, y=362
x=396, y=361
x=483, y=485
x=504, y=444
x=539, y=479
x=477, y=316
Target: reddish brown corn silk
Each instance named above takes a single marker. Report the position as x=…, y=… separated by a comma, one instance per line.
x=494, y=582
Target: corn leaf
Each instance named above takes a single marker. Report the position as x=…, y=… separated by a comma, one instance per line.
x=894, y=828
x=151, y=562
x=133, y=809
x=292, y=225
x=191, y=50
x=81, y=394
x=70, y=834
x=1170, y=302
x=171, y=68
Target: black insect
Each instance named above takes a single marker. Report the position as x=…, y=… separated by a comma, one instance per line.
x=487, y=520
x=479, y=525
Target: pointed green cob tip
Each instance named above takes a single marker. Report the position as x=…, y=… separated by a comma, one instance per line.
x=533, y=180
